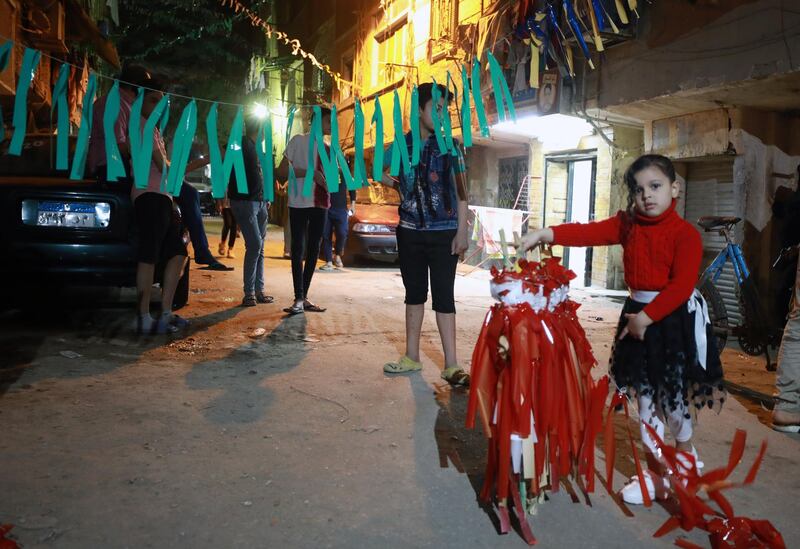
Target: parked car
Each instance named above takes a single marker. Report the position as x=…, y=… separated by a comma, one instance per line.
x=373, y=224
x=57, y=231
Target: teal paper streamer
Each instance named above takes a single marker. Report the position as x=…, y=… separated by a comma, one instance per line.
x=162, y=126
x=82, y=145
x=233, y=161
x=60, y=102
x=447, y=123
x=416, y=144
x=329, y=166
x=466, y=114
x=264, y=150
x=30, y=62
x=141, y=140
x=360, y=166
x=214, y=156
x=480, y=111
x=114, y=166
x=182, y=148
x=328, y=160
x=377, y=157
x=437, y=120
x=337, y=155
x=316, y=128
x=501, y=92
x=234, y=158
x=135, y=129
x=289, y=123
x=400, y=146
x=5, y=55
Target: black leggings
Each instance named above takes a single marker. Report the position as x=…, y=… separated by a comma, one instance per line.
x=229, y=227
x=306, y=225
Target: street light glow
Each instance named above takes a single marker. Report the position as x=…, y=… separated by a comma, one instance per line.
x=260, y=111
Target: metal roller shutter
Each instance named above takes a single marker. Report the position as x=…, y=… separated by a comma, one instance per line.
x=710, y=191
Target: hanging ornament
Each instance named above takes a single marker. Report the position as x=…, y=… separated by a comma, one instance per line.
x=30, y=62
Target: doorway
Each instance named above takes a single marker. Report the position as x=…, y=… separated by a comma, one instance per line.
x=569, y=195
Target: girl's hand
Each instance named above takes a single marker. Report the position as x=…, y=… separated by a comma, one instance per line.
x=636, y=326
x=534, y=238
x=460, y=244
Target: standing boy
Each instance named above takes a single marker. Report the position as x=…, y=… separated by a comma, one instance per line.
x=431, y=237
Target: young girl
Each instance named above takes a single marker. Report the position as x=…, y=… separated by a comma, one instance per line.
x=665, y=354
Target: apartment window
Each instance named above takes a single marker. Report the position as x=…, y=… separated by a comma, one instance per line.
x=444, y=23
x=347, y=74
x=391, y=40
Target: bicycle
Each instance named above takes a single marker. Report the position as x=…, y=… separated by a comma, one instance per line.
x=757, y=332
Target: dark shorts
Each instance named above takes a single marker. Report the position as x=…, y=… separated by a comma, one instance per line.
x=159, y=229
x=423, y=253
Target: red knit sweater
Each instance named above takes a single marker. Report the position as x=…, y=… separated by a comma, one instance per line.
x=661, y=253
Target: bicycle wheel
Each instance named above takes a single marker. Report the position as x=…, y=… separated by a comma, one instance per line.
x=716, y=312
x=753, y=334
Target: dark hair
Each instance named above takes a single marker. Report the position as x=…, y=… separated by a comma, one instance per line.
x=134, y=76
x=156, y=83
x=643, y=162
x=425, y=92
x=324, y=111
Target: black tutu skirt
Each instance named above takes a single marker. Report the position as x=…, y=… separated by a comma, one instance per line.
x=665, y=367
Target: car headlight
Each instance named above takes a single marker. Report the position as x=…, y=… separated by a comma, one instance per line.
x=372, y=228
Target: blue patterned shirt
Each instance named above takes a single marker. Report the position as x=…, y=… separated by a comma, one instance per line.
x=428, y=197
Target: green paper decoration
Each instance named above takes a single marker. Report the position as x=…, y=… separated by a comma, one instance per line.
x=329, y=167
x=30, y=63
x=182, y=148
x=416, y=140
x=466, y=114
x=501, y=92
x=233, y=160
x=447, y=123
x=480, y=110
x=399, y=146
x=360, y=167
x=436, y=118
x=115, y=168
x=82, y=145
x=162, y=126
x=289, y=123
x=60, y=103
x=377, y=159
x=337, y=155
x=264, y=152
x=141, y=140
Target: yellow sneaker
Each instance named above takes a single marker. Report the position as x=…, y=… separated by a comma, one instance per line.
x=402, y=366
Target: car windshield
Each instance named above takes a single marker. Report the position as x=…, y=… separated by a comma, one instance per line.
x=379, y=194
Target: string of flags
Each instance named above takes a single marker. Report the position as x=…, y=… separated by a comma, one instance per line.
x=229, y=159
x=548, y=29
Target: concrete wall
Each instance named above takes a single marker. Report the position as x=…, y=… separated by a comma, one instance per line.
x=684, y=49
x=482, y=171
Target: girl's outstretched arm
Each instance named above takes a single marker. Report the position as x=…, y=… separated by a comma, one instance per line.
x=534, y=238
x=597, y=233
